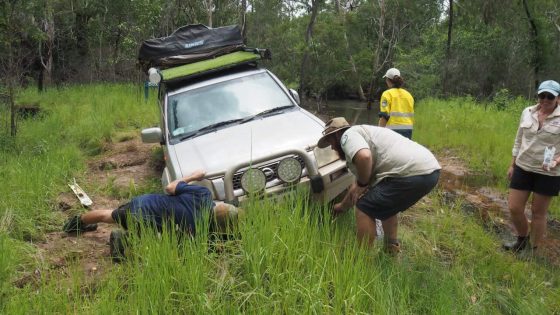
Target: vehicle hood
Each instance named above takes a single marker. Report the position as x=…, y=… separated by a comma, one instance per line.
x=217, y=151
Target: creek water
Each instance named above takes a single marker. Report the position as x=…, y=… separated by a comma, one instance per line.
x=460, y=187
x=355, y=112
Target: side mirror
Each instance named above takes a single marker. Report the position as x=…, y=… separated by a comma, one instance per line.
x=295, y=95
x=152, y=135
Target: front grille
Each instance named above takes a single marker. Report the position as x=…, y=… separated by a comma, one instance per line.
x=270, y=170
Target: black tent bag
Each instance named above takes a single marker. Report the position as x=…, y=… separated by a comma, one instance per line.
x=189, y=44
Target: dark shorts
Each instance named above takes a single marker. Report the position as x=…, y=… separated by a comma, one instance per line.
x=120, y=215
x=535, y=182
x=404, y=132
x=396, y=194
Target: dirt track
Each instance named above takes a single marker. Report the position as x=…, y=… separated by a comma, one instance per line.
x=131, y=162
x=122, y=165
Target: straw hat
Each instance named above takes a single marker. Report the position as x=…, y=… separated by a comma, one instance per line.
x=332, y=126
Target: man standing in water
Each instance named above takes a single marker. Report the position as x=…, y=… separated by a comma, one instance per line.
x=392, y=174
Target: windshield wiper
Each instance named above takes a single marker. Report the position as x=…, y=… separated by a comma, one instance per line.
x=210, y=128
x=268, y=111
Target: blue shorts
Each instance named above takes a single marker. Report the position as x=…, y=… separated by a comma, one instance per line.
x=120, y=214
x=396, y=194
x=535, y=182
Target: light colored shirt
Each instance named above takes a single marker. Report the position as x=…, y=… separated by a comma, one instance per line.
x=531, y=141
x=398, y=104
x=393, y=155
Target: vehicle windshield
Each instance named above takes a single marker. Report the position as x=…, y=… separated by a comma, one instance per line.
x=223, y=103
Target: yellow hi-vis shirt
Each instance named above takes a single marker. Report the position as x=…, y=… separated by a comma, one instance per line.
x=397, y=106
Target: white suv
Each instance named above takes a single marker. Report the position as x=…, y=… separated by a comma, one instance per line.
x=247, y=131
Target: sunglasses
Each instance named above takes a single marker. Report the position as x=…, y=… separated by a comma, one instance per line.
x=548, y=96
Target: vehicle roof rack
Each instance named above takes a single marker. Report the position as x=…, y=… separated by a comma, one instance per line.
x=220, y=63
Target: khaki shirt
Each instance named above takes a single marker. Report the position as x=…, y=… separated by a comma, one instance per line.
x=393, y=155
x=530, y=140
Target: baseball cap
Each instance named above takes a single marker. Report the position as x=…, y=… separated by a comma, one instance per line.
x=549, y=86
x=391, y=73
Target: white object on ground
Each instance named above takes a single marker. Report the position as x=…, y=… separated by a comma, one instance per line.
x=81, y=194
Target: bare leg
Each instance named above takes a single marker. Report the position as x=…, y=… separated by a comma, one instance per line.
x=390, y=226
x=539, y=206
x=365, y=228
x=96, y=216
x=516, y=202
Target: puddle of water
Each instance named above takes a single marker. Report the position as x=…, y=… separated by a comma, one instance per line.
x=354, y=111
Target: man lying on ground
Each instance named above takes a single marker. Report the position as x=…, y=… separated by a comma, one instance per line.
x=183, y=205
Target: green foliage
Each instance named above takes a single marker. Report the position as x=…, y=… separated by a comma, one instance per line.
x=480, y=134
x=49, y=152
x=492, y=44
x=291, y=256
x=291, y=259
x=501, y=99
x=486, y=148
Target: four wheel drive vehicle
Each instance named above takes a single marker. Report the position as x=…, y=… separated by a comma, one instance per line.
x=241, y=125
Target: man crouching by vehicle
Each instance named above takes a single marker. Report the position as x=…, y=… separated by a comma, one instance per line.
x=392, y=174
x=183, y=205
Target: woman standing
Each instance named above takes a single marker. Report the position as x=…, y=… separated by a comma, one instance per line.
x=396, y=110
x=539, y=130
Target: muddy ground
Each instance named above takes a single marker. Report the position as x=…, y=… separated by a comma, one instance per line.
x=132, y=162
x=122, y=165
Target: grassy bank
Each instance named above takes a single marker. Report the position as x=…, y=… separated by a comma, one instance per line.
x=288, y=259
x=480, y=134
x=289, y=262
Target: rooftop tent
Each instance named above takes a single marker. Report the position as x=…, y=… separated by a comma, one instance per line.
x=214, y=64
x=189, y=44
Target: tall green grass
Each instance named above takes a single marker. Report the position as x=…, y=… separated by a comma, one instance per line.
x=291, y=256
x=480, y=134
x=51, y=149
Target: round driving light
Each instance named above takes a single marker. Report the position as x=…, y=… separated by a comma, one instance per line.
x=253, y=180
x=289, y=170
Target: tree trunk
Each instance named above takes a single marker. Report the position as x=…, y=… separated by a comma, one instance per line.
x=448, y=49
x=308, y=39
x=46, y=48
x=13, y=117
x=534, y=40
x=243, y=20
x=360, y=90
x=209, y=4
x=377, y=53
x=81, y=22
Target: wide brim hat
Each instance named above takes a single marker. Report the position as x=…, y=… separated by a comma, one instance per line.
x=332, y=126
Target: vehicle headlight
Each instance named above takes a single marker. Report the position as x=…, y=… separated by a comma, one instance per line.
x=289, y=170
x=325, y=156
x=253, y=180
